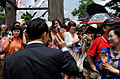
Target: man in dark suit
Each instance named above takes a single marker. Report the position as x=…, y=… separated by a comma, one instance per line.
x=36, y=61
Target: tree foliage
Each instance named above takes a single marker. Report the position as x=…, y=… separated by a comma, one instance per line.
x=2, y=15
x=2, y=3
x=81, y=11
x=27, y=15
x=115, y=5
x=2, y=18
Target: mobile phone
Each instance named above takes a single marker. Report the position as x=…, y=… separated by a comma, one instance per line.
x=58, y=30
x=10, y=35
x=78, y=33
x=54, y=26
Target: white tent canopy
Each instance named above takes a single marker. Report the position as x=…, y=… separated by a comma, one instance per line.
x=37, y=13
x=31, y=4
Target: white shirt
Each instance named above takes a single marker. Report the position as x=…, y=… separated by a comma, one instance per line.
x=34, y=42
x=69, y=39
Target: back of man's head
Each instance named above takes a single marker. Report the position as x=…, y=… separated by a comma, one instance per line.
x=36, y=28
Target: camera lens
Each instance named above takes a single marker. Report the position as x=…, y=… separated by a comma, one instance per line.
x=78, y=33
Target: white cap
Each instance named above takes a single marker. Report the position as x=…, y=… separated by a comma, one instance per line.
x=67, y=23
x=49, y=23
x=94, y=25
x=77, y=22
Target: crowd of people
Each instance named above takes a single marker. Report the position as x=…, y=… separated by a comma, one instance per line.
x=97, y=47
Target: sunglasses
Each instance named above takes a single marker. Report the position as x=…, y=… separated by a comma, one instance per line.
x=3, y=27
x=56, y=23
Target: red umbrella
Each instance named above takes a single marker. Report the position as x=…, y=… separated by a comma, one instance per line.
x=99, y=18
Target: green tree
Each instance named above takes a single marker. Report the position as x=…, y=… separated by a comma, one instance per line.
x=81, y=11
x=2, y=18
x=27, y=15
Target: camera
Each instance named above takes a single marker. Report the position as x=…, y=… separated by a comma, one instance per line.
x=10, y=35
x=58, y=30
x=54, y=26
x=78, y=33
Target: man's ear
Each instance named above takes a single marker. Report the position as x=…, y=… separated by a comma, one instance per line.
x=103, y=29
x=44, y=35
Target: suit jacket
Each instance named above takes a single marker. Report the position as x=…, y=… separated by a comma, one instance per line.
x=36, y=61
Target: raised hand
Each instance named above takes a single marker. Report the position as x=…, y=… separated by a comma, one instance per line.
x=10, y=39
x=24, y=31
x=2, y=57
x=16, y=49
x=77, y=40
x=108, y=66
x=104, y=57
x=111, y=68
x=61, y=43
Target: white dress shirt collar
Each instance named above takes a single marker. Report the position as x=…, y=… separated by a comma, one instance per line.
x=34, y=42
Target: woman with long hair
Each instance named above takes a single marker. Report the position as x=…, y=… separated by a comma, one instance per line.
x=72, y=40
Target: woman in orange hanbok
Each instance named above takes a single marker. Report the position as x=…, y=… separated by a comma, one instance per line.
x=14, y=42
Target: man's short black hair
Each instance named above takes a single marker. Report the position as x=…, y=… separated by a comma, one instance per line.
x=36, y=28
x=108, y=22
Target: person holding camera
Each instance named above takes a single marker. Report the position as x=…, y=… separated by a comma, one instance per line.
x=14, y=42
x=72, y=43
x=71, y=39
x=7, y=34
x=56, y=28
x=89, y=37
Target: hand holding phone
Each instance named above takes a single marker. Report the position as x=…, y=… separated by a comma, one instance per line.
x=10, y=37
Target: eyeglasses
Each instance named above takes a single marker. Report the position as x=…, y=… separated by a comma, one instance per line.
x=73, y=25
x=3, y=27
x=56, y=23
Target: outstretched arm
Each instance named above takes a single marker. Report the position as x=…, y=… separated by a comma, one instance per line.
x=111, y=69
x=90, y=59
x=69, y=65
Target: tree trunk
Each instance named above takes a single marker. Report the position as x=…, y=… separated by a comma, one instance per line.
x=56, y=10
x=10, y=13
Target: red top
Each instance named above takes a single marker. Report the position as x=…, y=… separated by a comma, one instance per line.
x=55, y=33
x=16, y=44
x=97, y=45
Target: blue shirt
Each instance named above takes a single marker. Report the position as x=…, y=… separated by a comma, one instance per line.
x=103, y=73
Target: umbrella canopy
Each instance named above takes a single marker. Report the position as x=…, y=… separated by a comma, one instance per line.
x=95, y=8
x=99, y=18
